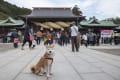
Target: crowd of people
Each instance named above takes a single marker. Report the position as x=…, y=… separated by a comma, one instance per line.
x=62, y=37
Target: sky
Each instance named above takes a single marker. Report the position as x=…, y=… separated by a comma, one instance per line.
x=101, y=9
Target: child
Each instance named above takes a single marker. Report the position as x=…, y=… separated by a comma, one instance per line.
x=15, y=42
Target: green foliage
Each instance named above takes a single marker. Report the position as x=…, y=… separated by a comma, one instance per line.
x=7, y=9
x=3, y=16
x=116, y=20
x=76, y=11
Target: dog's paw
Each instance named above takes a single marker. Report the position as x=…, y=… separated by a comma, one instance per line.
x=48, y=76
x=41, y=74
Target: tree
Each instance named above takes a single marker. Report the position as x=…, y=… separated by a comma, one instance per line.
x=117, y=20
x=76, y=11
x=8, y=9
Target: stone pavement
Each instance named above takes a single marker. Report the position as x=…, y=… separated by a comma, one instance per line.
x=86, y=64
x=6, y=46
x=105, y=46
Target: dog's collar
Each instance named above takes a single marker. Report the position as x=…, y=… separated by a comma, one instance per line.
x=49, y=58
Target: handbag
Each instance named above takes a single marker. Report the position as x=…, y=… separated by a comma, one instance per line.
x=31, y=37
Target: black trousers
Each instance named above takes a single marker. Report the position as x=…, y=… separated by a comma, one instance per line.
x=38, y=40
x=27, y=40
x=74, y=43
x=15, y=45
x=85, y=43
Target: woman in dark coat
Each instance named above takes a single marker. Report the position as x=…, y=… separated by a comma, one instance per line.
x=26, y=38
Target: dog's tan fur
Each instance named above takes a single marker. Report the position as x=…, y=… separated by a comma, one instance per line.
x=42, y=63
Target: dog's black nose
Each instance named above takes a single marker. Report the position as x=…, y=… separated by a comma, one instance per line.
x=50, y=51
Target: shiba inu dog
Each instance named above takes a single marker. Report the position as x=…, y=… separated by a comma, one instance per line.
x=44, y=65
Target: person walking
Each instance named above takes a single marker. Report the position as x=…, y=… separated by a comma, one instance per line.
x=38, y=35
x=26, y=38
x=14, y=35
x=20, y=36
x=63, y=38
x=97, y=39
x=66, y=38
x=15, y=42
x=47, y=39
x=85, y=39
x=74, y=33
x=79, y=39
x=57, y=37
